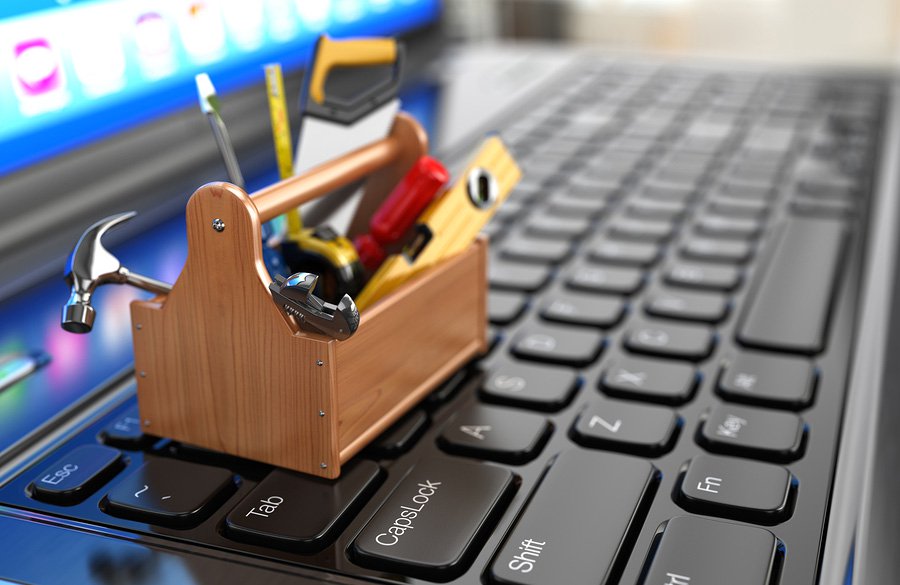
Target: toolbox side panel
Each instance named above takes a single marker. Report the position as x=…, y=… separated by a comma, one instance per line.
x=408, y=344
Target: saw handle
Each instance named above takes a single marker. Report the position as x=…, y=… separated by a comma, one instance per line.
x=349, y=53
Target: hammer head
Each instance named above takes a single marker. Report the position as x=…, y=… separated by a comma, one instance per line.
x=89, y=266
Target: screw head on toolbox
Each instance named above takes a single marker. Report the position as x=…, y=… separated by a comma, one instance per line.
x=218, y=225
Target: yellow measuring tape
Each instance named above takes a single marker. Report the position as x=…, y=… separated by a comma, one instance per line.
x=281, y=134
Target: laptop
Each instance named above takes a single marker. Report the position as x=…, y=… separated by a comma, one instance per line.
x=689, y=379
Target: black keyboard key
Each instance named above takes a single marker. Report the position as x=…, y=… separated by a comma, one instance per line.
x=535, y=250
x=703, y=276
x=768, y=380
x=548, y=226
x=707, y=307
x=300, y=512
x=716, y=226
x=689, y=550
x=668, y=192
x=566, y=206
x=809, y=207
x=170, y=492
x=543, y=387
x=710, y=250
x=793, y=299
x=651, y=380
x=504, y=307
x=752, y=432
x=655, y=209
x=495, y=433
x=691, y=342
x=616, y=425
x=126, y=431
x=641, y=254
x=516, y=276
x=754, y=208
x=558, y=345
x=576, y=527
x=643, y=230
x=583, y=309
x=605, y=279
x=401, y=437
x=736, y=488
x=433, y=523
x=76, y=475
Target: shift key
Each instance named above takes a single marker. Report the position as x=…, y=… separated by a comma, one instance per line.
x=433, y=523
x=578, y=522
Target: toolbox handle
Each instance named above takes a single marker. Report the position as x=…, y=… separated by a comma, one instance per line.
x=285, y=195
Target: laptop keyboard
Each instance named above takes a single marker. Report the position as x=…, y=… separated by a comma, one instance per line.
x=672, y=301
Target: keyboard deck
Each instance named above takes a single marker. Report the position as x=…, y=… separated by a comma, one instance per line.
x=674, y=288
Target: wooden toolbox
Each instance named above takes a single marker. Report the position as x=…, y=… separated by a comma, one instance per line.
x=219, y=365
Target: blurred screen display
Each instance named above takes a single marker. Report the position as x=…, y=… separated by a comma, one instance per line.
x=74, y=71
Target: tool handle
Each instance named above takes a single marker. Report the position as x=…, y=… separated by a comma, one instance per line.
x=322, y=180
x=348, y=53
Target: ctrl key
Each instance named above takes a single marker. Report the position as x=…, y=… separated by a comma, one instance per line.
x=76, y=475
x=688, y=550
x=434, y=521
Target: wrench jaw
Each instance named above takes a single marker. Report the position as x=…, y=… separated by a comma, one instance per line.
x=294, y=295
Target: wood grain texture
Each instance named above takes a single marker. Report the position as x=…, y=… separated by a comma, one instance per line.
x=220, y=366
x=408, y=344
x=406, y=141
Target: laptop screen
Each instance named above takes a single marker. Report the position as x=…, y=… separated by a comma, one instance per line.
x=74, y=71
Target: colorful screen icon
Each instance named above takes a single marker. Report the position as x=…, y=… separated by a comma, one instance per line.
x=99, y=61
x=155, y=48
x=202, y=31
x=38, y=76
x=313, y=13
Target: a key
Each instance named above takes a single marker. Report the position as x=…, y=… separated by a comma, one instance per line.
x=504, y=307
x=752, y=432
x=655, y=209
x=576, y=526
x=689, y=550
x=617, y=425
x=667, y=192
x=76, y=475
x=716, y=226
x=707, y=307
x=547, y=388
x=605, y=279
x=583, y=309
x=641, y=254
x=566, y=228
x=431, y=524
x=642, y=230
x=651, y=380
x=736, y=488
x=790, y=308
x=517, y=247
x=691, y=342
x=752, y=191
x=495, y=433
x=768, y=380
x=516, y=276
x=703, y=276
x=401, y=437
x=558, y=345
x=566, y=206
x=169, y=492
x=710, y=250
x=126, y=431
x=736, y=207
x=836, y=209
x=300, y=512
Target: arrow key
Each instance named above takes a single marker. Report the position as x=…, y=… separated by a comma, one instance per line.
x=499, y=434
x=616, y=425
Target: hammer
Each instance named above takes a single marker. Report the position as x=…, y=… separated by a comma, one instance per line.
x=91, y=265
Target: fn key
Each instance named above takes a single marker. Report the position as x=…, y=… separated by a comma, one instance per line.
x=695, y=551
